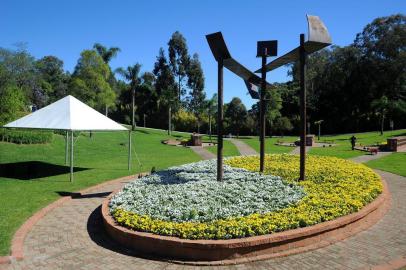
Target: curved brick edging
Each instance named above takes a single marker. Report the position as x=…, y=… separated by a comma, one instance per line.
x=19, y=236
x=233, y=251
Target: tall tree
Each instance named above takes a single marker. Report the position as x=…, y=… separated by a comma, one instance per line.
x=236, y=114
x=90, y=81
x=19, y=70
x=131, y=74
x=165, y=86
x=106, y=53
x=53, y=77
x=179, y=60
x=195, y=83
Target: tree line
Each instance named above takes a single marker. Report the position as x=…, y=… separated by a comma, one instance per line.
x=358, y=87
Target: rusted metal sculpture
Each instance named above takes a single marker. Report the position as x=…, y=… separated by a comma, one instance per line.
x=319, y=38
x=252, y=81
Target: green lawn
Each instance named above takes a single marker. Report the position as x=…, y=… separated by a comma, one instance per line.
x=343, y=145
x=394, y=163
x=102, y=157
x=270, y=146
x=229, y=149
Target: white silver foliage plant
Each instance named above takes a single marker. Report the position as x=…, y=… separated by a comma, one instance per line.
x=191, y=192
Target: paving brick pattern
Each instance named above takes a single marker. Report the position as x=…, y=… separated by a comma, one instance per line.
x=71, y=237
x=296, y=150
x=368, y=157
x=243, y=148
x=203, y=153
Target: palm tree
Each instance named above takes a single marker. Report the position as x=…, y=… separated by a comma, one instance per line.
x=131, y=74
x=106, y=53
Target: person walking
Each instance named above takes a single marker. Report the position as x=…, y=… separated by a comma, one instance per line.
x=353, y=141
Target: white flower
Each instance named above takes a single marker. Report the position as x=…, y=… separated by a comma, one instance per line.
x=191, y=193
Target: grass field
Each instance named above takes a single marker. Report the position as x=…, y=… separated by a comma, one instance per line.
x=343, y=145
x=229, y=149
x=32, y=176
x=394, y=163
x=270, y=147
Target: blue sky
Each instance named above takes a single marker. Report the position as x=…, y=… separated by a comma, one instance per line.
x=140, y=28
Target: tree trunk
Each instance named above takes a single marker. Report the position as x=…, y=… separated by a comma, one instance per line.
x=210, y=127
x=179, y=88
x=133, y=110
x=106, y=109
x=382, y=123
x=169, y=120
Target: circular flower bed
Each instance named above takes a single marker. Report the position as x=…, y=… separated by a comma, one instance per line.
x=188, y=202
x=191, y=193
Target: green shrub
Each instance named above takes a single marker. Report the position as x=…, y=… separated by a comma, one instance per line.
x=25, y=136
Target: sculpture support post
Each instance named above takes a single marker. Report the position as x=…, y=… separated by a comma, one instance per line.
x=302, y=109
x=220, y=121
x=262, y=114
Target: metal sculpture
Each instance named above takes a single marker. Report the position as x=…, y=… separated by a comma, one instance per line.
x=252, y=81
x=319, y=38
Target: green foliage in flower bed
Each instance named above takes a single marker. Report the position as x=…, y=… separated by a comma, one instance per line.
x=25, y=136
x=191, y=193
x=334, y=188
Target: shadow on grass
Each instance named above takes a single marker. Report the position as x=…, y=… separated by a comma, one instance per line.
x=77, y=195
x=141, y=131
x=28, y=170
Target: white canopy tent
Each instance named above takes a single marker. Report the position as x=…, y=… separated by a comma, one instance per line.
x=70, y=114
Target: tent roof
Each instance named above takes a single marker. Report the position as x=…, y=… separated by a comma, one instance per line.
x=67, y=113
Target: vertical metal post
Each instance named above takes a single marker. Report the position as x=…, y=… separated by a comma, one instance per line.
x=302, y=109
x=262, y=115
x=319, y=131
x=129, y=150
x=66, y=147
x=133, y=110
x=220, y=121
x=71, y=155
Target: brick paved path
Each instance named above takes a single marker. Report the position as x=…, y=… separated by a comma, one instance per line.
x=243, y=148
x=203, y=153
x=71, y=237
x=296, y=151
x=368, y=157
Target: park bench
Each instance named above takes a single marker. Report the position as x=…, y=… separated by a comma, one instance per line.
x=395, y=143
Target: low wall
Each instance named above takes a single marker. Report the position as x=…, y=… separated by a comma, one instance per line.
x=233, y=251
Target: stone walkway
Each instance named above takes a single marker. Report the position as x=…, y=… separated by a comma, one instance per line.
x=368, y=157
x=203, y=153
x=296, y=151
x=243, y=148
x=72, y=237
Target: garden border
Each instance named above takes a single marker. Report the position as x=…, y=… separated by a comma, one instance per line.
x=17, y=243
x=243, y=250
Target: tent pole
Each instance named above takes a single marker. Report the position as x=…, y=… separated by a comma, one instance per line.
x=129, y=150
x=66, y=147
x=71, y=155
